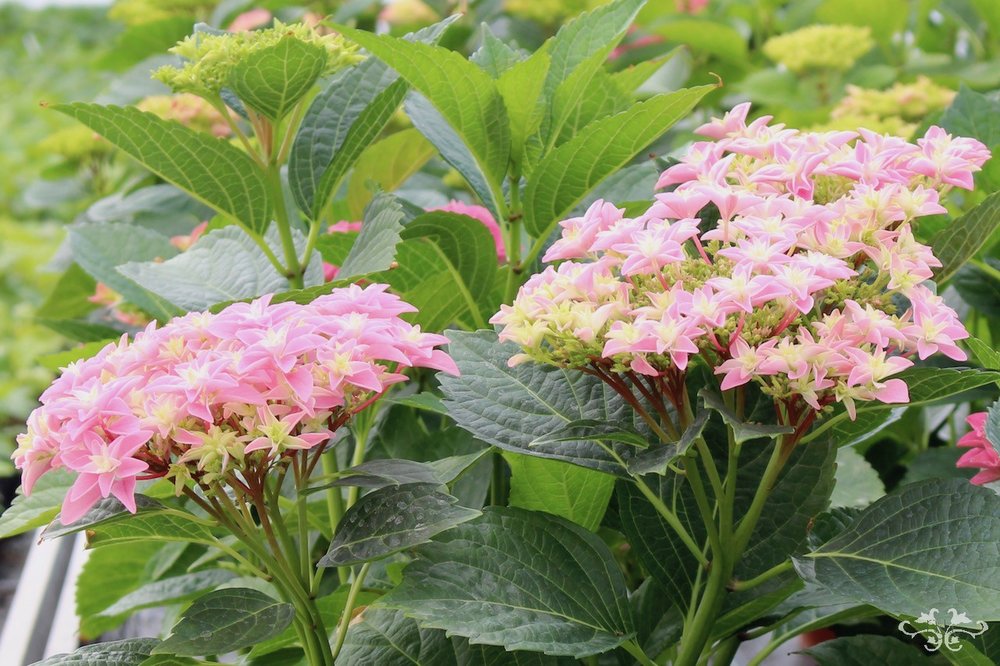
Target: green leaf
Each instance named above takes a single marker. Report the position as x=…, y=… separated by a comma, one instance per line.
x=590, y=93
x=634, y=76
x=987, y=356
x=974, y=115
x=172, y=590
x=375, y=248
x=493, y=55
x=743, y=431
x=59, y=360
x=462, y=92
x=343, y=119
x=575, y=493
x=152, y=526
x=858, y=484
x=397, y=472
x=965, y=237
x=706, y=36
x=929, y=544
x=227, y=620
x=38, y=509
x=392, y=519
x=865, y=650
x=565, y=175
x=554, y=586
x=209, y=169
x=106, y=509
x=385, y=166
x=425, y=279
x=514, y=408
x=130, y=652
x=68, y=297
x=107, y=575
x=521, y=89
x=101, y=248
x=273, y=80
x=389, y=638
x=657, y=458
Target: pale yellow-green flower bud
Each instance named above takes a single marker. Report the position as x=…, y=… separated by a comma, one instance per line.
x=835, y=47
x=137, y=12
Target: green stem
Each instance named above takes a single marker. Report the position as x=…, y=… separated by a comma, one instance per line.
x=334, y=502
x=513, y=240
x=744, y=530
x=633, y=649
x=352, y=598
x=740, y=585
x=310, y=244
x=362, y=427
x=672, y=520
x=697, y=633
x=705, y=509
x=727, y=650
x=293, y=270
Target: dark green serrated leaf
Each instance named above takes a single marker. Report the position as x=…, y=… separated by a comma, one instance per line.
x=657, y=458
x=209, y=169
x=512, y=408
x=929, y=544
x=565, y=175
x=130, y=652
x=226, y=620
x=974, y=115
x=273, y=80
x=743, y=431
x=965, y=237
x=522, y=580
x=392, y=519
x=104, y=510
x=865, y=650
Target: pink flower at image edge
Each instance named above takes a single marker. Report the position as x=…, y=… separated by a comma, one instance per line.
x=981, y=454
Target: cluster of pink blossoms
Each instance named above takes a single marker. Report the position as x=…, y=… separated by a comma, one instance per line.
x=207, y=393
x=781, y=257
x=982, y=454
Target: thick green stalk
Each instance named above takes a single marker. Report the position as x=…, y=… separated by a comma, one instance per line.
x=352, y=599
x=334, y=502
x=293, y=270
x=633, y=649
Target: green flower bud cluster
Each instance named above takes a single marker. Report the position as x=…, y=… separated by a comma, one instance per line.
x=138, y=12
x=211, y=58
x=897, y=110
x=835, y=47
x=74, y=144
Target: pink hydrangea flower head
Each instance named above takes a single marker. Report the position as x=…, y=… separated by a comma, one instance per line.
x=206, y=393
x=982, y=454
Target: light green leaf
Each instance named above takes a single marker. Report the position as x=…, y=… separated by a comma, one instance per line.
x=109, y=574
x=462, y=92
x=556, y=587
x=575, y=493
x=152, y=526
x=38, y=509
x=225, y=265
x=858, y=484
x=385, y=166
x=130, y=652
x=965, y=237
x=226, y=620
x=210, y=169
x=60, y=360
x=929, y=544
x=706, y=36
x=172, y=590
x=375, y=247
x=987, y=356
x=565, y=175
x=521, y=89
x=865, y=650
x=273, y=80
x=343, y=119
x=392, y=519
x=493, y=55
x=514, y=408
x=101, y=248
x=590, y=93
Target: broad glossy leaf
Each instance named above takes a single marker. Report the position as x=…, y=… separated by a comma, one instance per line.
x=963, y=238
x=384, y=472
x=521, y=88
x=105, y=510
x=858, y=484
x=130, y=652
x=743, y=431
x=210, y=169
x=375, y=247
x=392, y=519
x=932, y=543
x=101, y=248
x=225, y=265
x=513, y=408
x=657, y=458
x=425, y=279
x=987, y=356
x=152, y=526
x=169, y=591
x=565, y=175
x=28, y=512
x=273, y=80
x=974, y=115
x=462, y=92
x=575, y=493
x=226, y=620
x=344, y=119
x=385, y=166
x=865, y=650
x=522, y=580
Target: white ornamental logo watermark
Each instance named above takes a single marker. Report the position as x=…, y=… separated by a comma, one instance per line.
x=940, y=634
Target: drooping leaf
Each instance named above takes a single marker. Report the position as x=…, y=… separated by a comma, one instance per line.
x=931, y=543
x=28, y=512
x=343, y=120
x=462, y=92
x=657, y=458
x=575, y=493
x=565, y=175
x=553, y=586
x=514, y=408
x=209, y=169
x=171, y=590
x=226, y=620
x=105, y=510
x=743, y=431
x=384, y=472
x=273, y=80
x=129, y=652
x=375, y=247
x=385, y=166
x=392, y=519
x=962, y=239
